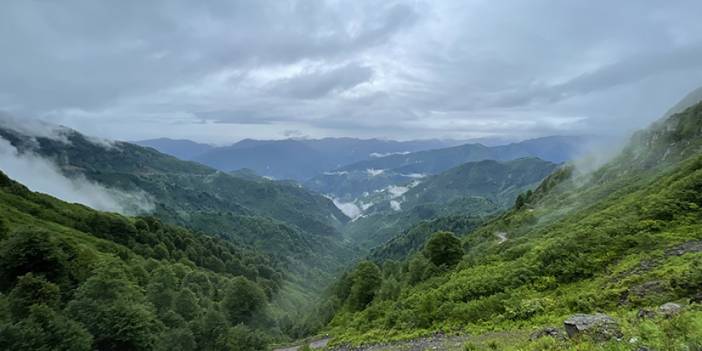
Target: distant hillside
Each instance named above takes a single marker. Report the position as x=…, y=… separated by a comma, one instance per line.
x=182, y=149
x=474, y=189
x=280, y=219
x=301, y=159
x=689, y=100
x=350, y=182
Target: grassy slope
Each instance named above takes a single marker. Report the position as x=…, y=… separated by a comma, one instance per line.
x=588, y=243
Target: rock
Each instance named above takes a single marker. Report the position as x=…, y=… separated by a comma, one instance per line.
x=670, y=309
x=645, y=314
x=599, y=326
x=648, y=288
x=688, y=247
x=548, y=331
x=697, y=298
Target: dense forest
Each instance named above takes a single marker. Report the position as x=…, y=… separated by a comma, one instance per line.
x=77, y=279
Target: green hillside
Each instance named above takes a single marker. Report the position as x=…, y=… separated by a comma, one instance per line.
x=623, y=238
x=352, y=181
x=281, y=219
x=72, y=278
x=474, y=189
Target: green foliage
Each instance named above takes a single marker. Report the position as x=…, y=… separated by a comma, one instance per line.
x=69, y=286
x=520, y=202
x=444, y=249
x=45, y=330
x=31, y=251
x=4, y=229
x=624, y=237
x=366, y=280
x=31, y=290
x=242, y=300
x=241, y=338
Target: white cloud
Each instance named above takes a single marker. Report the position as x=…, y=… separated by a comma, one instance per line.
x=348, y=208
x=379, y=154
x=336, y=173
x=395, y=205
x=396, y=190
x=42, y=175
x=374, y=172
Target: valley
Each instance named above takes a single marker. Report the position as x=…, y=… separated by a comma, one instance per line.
x=363, y=175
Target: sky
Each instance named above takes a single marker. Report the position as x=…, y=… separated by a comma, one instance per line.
x=219, y=71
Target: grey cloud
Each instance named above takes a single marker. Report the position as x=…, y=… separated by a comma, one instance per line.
x=87, y=55
x=319, y=83
x=236, y=117
x=400, y=69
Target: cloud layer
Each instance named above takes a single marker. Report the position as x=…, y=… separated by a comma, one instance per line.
x=42, y=175
x=218, y=71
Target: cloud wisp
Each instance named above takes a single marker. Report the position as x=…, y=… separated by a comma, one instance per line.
x=42, y=175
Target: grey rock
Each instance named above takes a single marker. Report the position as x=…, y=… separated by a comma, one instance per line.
x=645, y=314
x=548, y=331
x=599, y=326
x=670, y=309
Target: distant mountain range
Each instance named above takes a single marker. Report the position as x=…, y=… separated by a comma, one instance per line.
x=353, y=181
x=295, y=159
x=180, y=148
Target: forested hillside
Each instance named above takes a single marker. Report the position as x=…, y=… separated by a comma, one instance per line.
x=623, y=239
x=278, y=218
x=302, y=159
x=474, y=189
x=352, y=181
x=76, y=279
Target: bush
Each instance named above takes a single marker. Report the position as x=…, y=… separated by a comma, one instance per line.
x=367, y=279
x=31, y=251
x=444, y=249
x=242, y=300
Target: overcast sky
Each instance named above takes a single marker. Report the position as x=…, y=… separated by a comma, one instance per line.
x=219, y=71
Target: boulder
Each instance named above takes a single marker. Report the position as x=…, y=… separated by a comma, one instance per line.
x=548, y=331
x=599, y=326
x=645, y=314
x=670, y=309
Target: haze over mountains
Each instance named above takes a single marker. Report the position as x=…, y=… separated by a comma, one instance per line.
x=363, y=175
x=296, y=159
x=291, y=242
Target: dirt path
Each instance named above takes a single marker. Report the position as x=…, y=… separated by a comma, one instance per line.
x=447, y=343
x=314, y=345
x=437, y=342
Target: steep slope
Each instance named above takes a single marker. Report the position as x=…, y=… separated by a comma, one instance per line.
x=473, y=189
x=301, y=159
x=76, y=279
x=279, y=218
x=180, y=148
x=349, y=182
x=622, y=238
x=689, y=100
